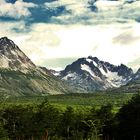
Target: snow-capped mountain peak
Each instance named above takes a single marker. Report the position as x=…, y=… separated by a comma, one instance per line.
x=93, y=74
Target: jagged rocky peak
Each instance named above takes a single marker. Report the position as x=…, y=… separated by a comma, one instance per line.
x=124, y=70
x=93, y=58
x=4, y=39
x=136, y=76
x=96, y=65
x=12, y=57
x=6, y=43
x=93, y=74
x=138, y=71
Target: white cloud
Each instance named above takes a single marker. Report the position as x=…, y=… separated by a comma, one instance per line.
x=107, y=11
x=7, y=28
x=75, y=7
x=17, y=10
x=108, y=5
x=75, y=10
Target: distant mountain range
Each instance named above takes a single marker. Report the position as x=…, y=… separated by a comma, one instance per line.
x=20, y=76
x=91, y=74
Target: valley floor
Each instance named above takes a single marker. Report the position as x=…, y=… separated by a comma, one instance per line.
x=75, y=99
x=98, y=116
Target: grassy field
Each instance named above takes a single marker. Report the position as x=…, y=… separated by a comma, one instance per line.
x=75, y=100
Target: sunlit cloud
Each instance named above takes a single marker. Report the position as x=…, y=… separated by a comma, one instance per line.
x=95, y=12
x=16, y=10
x=126, y=38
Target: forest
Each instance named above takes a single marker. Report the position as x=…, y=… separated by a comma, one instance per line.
x=44, y=120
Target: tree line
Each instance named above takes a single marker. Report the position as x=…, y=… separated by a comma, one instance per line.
x=46, y=122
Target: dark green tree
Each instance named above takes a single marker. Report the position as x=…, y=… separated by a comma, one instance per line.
x=106, y=118
x=47, y=118
x=67, y=123
x=129, y=120
x=3, y=133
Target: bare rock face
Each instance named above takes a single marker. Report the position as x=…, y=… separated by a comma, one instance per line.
x=11, y=57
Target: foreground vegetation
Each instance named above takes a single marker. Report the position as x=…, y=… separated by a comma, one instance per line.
x=59, y=118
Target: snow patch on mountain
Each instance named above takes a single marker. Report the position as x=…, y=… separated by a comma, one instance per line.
x=71, y=76
x=112, y=77
x=88, y=69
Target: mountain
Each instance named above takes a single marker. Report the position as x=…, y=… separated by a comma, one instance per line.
x=136, y=76
x=132, y=86
x=20, y=76
x=91, y=74
x=11, y=57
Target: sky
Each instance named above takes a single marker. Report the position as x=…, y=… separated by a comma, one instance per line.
x=54, y=33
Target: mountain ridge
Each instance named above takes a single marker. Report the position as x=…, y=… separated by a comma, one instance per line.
x=91, y=74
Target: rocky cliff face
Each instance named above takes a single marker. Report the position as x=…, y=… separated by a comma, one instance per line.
x=12, y=57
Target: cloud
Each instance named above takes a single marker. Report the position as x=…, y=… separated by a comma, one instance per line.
x=75, y=11
x=103, y=5
x=45, y=36
x=95, y=12
x=126, y=38
x=15, y=10
x=70, y=4
x=135, y=64
x=7, y=28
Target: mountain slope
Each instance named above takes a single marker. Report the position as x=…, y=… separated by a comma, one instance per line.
x=12, y=57
x=132, y=86
x=90, y=74
x=20, y=76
